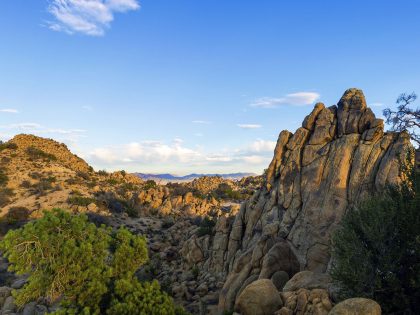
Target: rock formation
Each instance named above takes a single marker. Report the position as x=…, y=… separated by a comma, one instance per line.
x=339, y=156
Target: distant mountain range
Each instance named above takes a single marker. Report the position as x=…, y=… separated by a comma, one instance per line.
x=189, y=177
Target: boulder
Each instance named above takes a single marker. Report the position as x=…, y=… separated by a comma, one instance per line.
x=308, y=280
x=356, y=306
x=279, y=279
x=259, y=298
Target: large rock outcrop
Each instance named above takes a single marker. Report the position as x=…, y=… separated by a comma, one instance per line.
x=339, y=156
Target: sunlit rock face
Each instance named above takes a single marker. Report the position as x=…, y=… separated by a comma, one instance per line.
x=338, y=157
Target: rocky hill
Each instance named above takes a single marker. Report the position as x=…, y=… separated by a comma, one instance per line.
x=338, y=157
x=221, y=245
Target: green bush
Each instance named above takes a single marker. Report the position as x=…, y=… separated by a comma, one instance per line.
x=4, y=179
x=16, y=214
x=376, y=252
x=37, y=154
x=7, y=145
x=89, y=269
x=80, y=200
x=134, y=297
x=5, y=194
x=206, y=227
x=149, y=184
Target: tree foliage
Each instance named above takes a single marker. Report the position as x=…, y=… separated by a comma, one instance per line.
x=405, y=118
x=376, y=252
x=88, y=268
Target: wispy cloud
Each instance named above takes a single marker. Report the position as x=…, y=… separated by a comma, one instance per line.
x=138, y=156
x=249, y=126
x=90, y=17
x=9, y=110
x=294, y=99
x=376, y=104
x=203, y=122
x=71, y=135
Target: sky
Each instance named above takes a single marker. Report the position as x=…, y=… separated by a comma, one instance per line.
x=188, y=86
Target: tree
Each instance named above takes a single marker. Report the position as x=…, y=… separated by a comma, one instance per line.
x=70, y=260
x=405, y=118
x=376, y=251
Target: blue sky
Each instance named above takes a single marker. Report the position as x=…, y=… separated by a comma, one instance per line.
x=194, y=86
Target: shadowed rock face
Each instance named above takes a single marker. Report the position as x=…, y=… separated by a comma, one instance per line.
x=339, y=156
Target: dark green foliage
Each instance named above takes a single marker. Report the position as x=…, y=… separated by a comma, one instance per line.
x=4, y=179
x=206, y=227
x=112, y=181
x=135, y=298
x=37, y=154
x=8, y=145
x=149, y=184
x=376, y=252
x=89, y=269
x=5, y=195
x=80, y=200
x=83, y=175
x=177, y=189
x=225, y=191
x=42, y=186
x=16, y=214
x=102, y=173
x=25, y=184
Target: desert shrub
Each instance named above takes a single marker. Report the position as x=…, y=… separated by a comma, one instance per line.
x=102, y=173
x=206, y=227
x=112, y=181
x=4, y=179
x=89, y=269
x=35, y=175
x=225, y=191
x=80, y=200
x=149, y=184
x=5, y=195
x=98, y=219
x=16, y=214
x=83, y=175
x=8, y=145
x=72, y=181
x=134, y=297
x=42, y=186
x=37, y=154
x=376, y=251
x=123, y=173
x=116, y=204
x=5, y=160
x=25, y=184
x=178, y=189
x=13, y=219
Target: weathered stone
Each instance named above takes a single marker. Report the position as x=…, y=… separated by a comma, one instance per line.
x=308, y=280
x=279, y=279
x=356, y=306
x=259, y=298
x=339, y=156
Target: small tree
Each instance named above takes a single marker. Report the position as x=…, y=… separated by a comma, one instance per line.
x=84, y=266
x=405, y=118
x=376, y=252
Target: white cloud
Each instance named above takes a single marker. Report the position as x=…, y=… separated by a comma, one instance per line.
x=249, y=126
x=9, y=110
x=376, y=104
x=295, y=99
x=159, y=156
x=146, y=152
x=90, y=17
x=203, y=122
x=71, y=135
x=262, y=146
